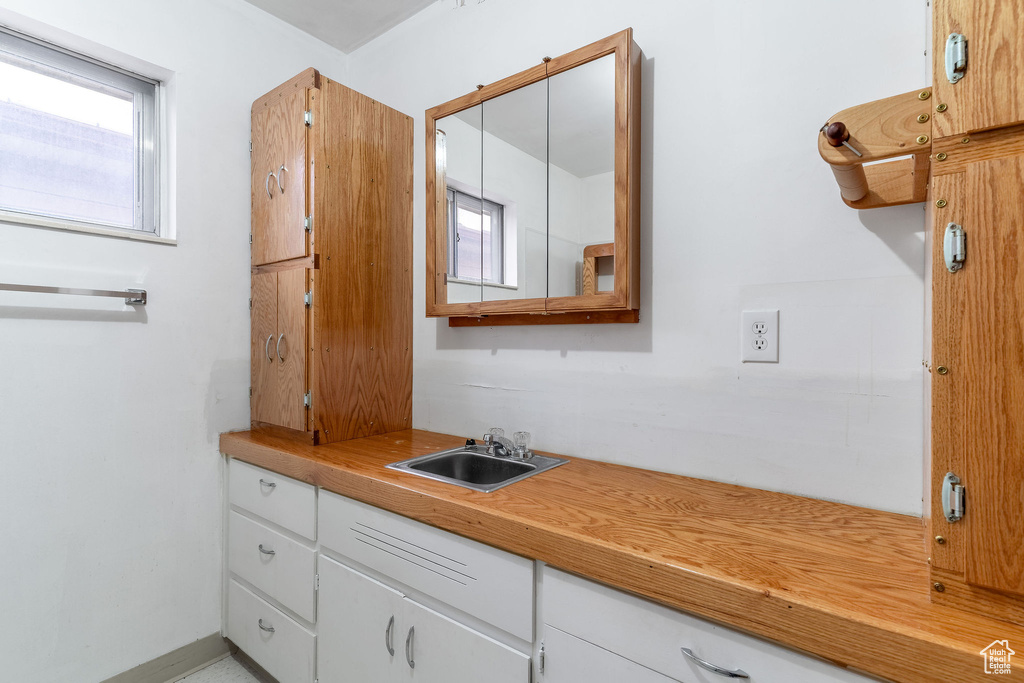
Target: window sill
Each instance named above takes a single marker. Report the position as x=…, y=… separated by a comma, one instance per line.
x=495, y=285
x=86, y=228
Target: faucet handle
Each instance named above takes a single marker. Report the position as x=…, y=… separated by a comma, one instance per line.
x=496, y=431
x=522, y=443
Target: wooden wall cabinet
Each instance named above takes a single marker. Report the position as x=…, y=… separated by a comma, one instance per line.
x=977, y=313
x=544, y=165
x=331, y=261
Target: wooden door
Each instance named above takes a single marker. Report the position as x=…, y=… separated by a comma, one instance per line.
x=567, y=659
x=991, y=92
x=279, y=189
x=360, y=634
x=993, y=381
x=978, y=394
x=290, y=348
x=263, y=365
x=445, y=651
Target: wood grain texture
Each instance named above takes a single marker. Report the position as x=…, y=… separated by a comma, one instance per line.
x=881, y=129
x=263, y=403
x=310, y=262
x=589, y=274
x=575, y=318
x=626, y=293
x=993, y=385
x=991, y=93
x=844, y=583
x=903, y=181
x=963, y=150
x=279, y=202
x=362, y=316
x=959, y=594
x=289, y=349
x=948, y=438
x=308, y=79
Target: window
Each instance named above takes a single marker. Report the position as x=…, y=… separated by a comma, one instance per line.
x=77, y=141
x=476, y=238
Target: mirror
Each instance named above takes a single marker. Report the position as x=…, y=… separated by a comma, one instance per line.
x=533, y=202
x=581, y=179
x=459, y=160
x=515, y=185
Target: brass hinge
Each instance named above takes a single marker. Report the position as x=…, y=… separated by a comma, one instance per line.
x=308, y=117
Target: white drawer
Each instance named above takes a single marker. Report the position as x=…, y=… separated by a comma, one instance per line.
x=287, y=652
x=652, y=635
x=282, y=568
x=485, y=582
x=281, y=500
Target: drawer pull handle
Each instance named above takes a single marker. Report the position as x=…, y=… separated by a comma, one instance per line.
x=408, y=648
x=267, y=552
x=387, y=636
x=738, y=673
x=268, y=629
x=266, y=348
x=268, y=484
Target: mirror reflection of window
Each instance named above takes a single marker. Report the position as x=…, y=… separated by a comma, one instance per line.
x=476, y=238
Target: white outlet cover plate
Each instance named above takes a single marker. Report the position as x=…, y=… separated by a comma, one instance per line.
x=750, y=341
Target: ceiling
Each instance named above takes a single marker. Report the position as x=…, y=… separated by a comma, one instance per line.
x=345, y=24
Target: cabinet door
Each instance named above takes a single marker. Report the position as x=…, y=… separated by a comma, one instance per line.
x=355, y=614
x=991, y=92
x=263, y=328
x=279, y=139
x=567, y=659
x=981, y=347
x=444, y=651
x=289, y=350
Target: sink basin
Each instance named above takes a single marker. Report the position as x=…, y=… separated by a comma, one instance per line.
x=473, y=468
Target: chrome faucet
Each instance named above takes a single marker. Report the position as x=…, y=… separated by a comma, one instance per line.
x=498, y=445
x=501, y=447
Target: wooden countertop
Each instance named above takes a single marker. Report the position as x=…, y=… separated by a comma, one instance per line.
x=844, y=583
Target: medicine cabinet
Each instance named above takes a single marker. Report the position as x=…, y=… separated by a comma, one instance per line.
x=533, y=211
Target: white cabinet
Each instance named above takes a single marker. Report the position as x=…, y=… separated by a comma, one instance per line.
x=371, y=632
x=652, y=635
x=568, y=659
x=275, y=641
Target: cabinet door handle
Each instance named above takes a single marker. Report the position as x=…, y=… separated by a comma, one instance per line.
x=280, y=357
x=388, y=643
x=266, y=184
x=267, y=552
x=738, y=673
x=280, y=174
x=268, y=629
x=408, y=648
x=268, y=484
x=266, y=348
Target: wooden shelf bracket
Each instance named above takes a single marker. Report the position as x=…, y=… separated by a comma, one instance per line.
x=856, y=138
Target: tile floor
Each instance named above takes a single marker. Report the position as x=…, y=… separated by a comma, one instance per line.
x=227, y=670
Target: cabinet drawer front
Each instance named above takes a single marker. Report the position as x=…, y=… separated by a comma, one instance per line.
x=281, y=500
x=287, y=652
x=488, y=583
x=652, y=635
x=570, y=660
x=282, y=568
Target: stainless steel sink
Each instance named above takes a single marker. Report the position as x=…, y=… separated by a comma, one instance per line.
x=472, y=467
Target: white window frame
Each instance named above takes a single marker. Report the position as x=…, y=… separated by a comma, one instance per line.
x=500, y=248
x=149, y=136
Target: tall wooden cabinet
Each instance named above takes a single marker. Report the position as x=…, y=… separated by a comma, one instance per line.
x=977, y=354
x=331, y=261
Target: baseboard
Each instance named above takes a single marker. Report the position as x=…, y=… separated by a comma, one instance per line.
x=174, y=665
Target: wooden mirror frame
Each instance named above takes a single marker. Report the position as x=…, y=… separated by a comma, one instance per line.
x=622, y=304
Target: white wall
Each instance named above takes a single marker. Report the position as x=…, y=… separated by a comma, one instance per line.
x=739, y=212
x=111, y=502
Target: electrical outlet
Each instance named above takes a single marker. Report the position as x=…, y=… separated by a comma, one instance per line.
x=759, y=336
